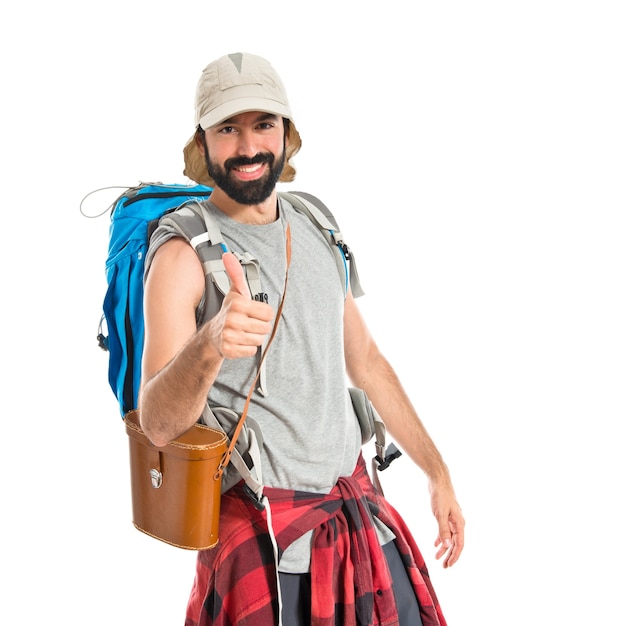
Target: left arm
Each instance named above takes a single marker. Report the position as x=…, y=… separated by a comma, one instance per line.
x=368, y=369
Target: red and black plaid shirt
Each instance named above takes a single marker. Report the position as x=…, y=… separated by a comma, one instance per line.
x=235, y=582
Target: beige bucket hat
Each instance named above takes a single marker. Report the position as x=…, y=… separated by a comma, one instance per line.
x=234, y=84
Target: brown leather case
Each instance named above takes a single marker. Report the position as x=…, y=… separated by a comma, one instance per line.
x=175, y=489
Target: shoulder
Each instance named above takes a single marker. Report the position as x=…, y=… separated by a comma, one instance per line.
x=176, y=268
x=176, y=255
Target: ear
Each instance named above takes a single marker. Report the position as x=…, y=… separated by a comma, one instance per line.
x=287, y=132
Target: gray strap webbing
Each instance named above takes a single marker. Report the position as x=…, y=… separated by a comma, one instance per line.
x=380, y=445
x=213, y=235
x=254, y=483
x=252, y=270
x=373, y=427
x=253, y=275
x=315, y=212
x=329, y=228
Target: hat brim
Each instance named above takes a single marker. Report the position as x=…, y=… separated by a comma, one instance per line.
x=244, y=104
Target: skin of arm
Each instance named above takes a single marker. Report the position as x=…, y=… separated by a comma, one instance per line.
x=368, y=369
x=181, y=362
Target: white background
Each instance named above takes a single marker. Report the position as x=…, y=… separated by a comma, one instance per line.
x=475, y=154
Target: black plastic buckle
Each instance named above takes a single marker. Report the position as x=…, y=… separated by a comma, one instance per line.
x=103, y=342
x=258, y=505
x=391, y=454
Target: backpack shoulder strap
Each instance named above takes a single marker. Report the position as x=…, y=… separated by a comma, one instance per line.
x=324, y=219
x=195, y=224
x=373, y=427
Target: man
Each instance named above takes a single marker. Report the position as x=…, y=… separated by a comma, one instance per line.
x=342, y=554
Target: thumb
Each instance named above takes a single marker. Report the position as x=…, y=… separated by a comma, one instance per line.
x=234, y=270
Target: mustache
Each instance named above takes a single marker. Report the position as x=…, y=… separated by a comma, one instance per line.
x=261, y=157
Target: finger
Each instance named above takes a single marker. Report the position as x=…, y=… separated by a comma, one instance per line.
x=452, y=547
x=454, y=553
x=458, y=541
x=444, y=540
x=235, y=272
x=444, y=545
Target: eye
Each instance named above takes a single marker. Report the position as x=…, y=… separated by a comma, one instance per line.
x=227, y=130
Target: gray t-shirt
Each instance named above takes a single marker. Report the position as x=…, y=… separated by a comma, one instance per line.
x=310, y=433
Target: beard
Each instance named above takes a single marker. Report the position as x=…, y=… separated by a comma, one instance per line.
x=249, y=192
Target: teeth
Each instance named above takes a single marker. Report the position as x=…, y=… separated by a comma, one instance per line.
x=247, y=170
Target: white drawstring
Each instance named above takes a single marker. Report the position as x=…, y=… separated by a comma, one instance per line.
x=270, y=528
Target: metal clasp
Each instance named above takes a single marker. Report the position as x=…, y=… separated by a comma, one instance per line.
x=156, y=477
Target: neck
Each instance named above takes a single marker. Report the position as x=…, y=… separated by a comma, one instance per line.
x=263, y=213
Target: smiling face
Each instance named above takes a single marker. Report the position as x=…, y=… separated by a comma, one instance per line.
x=245, y=155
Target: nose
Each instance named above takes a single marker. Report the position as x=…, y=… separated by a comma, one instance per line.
x=247, y=145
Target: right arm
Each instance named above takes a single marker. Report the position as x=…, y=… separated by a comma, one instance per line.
x=181, y=362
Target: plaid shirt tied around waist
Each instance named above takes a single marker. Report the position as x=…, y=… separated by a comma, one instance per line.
x=235, y=583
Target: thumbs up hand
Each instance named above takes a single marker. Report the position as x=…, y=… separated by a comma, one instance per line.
x=242, y=323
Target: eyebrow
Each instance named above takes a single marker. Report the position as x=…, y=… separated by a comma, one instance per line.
x=262, y=116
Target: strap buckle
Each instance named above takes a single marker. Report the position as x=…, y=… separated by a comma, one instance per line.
x=258, y=505
x=391, y=454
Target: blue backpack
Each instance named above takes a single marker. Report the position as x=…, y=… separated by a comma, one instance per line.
x=134, y=215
